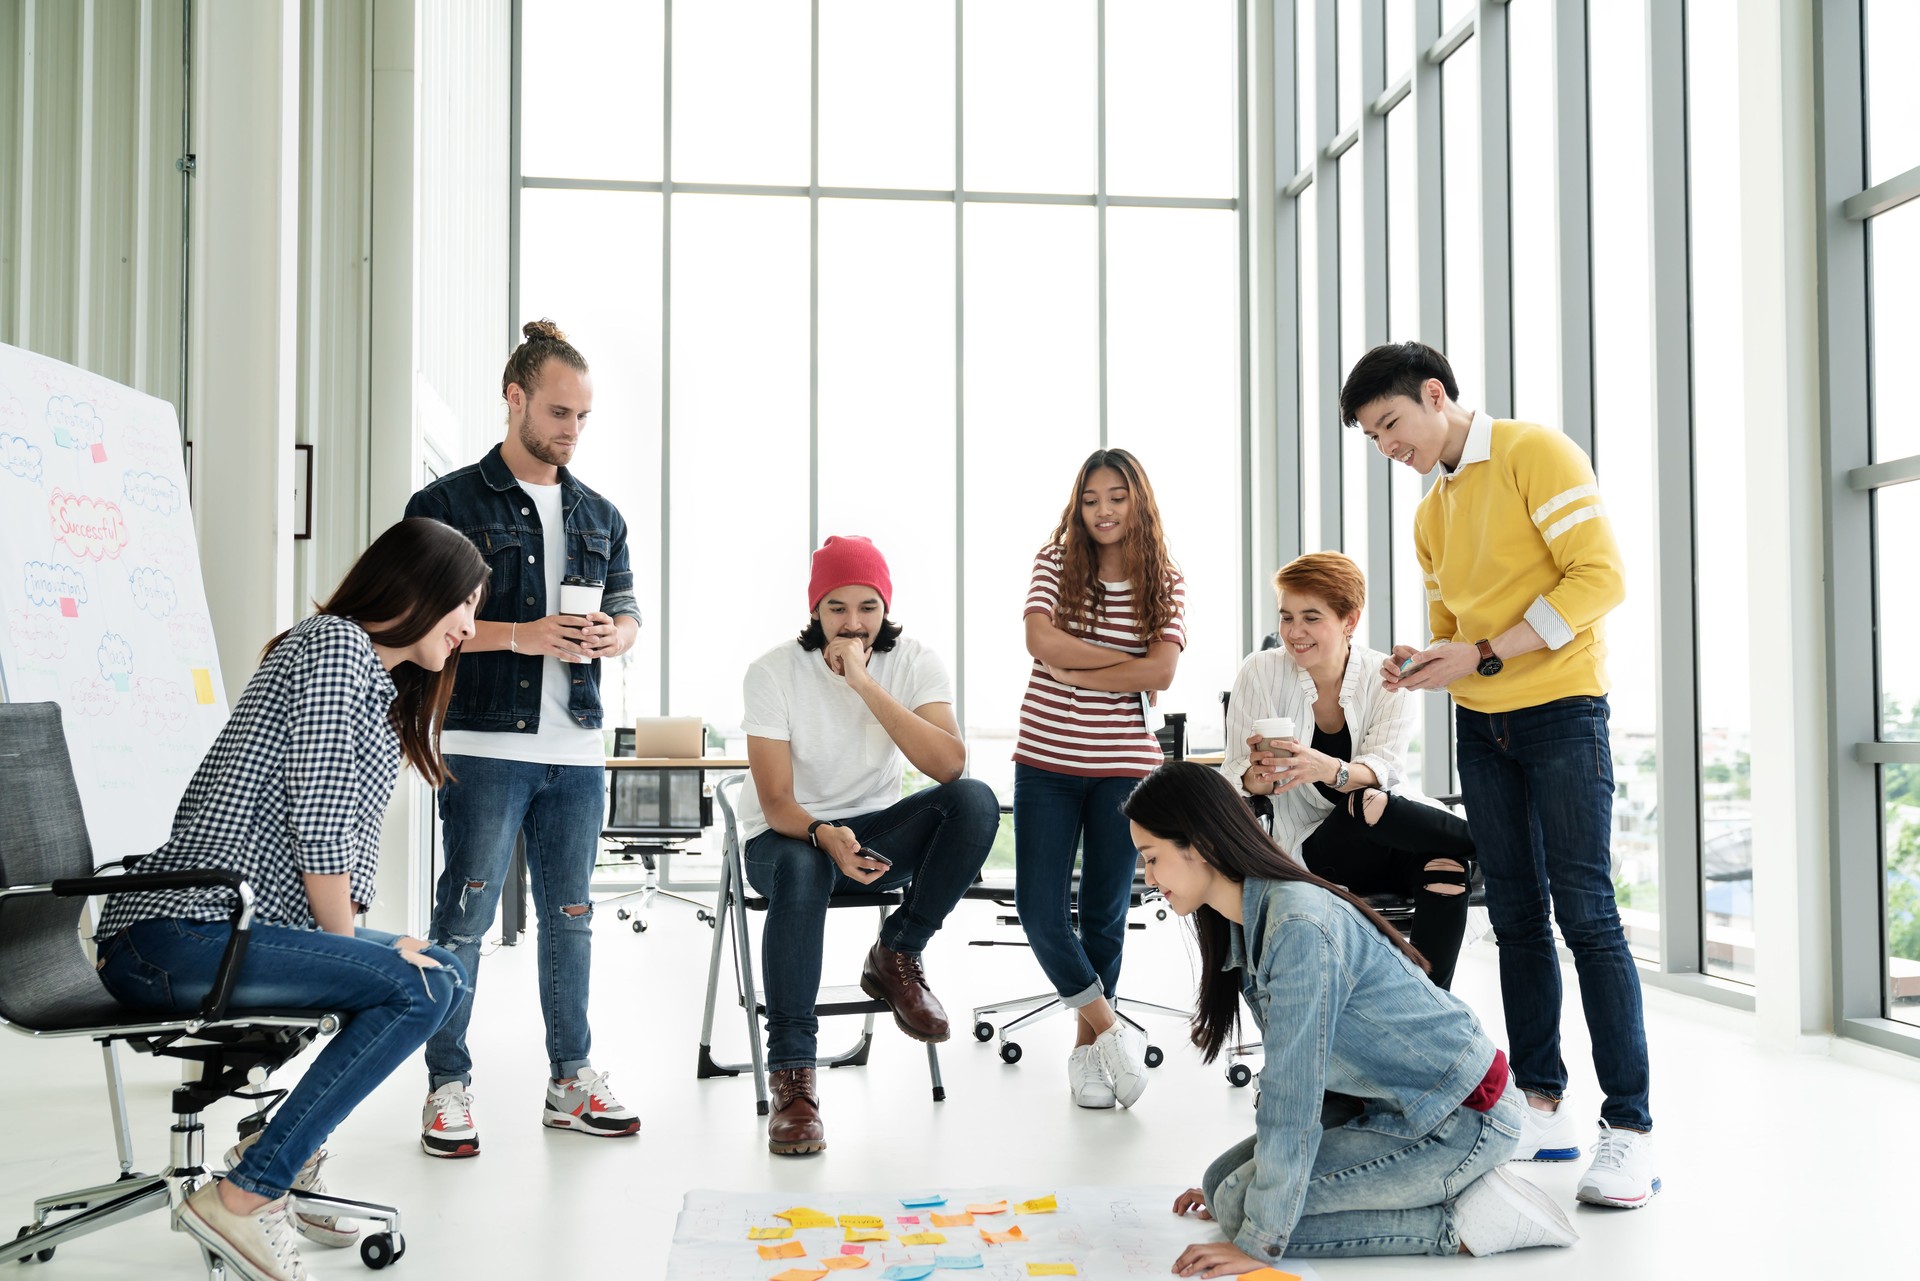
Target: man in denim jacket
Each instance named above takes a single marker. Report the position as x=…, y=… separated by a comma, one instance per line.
x=522, y=734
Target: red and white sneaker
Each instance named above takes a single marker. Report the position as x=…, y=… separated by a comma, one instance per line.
x=446, y=1123
x=586, y=1104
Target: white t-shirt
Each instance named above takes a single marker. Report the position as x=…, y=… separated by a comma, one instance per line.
x=561, y=740
x=844, y=761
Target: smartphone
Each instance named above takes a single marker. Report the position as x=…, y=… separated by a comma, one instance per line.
x=1409, y=667
x=874, y=856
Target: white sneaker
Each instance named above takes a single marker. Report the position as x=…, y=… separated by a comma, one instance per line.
x=1500, y=1211
x=1087, y=1080
x=321, y=1229
x=1121, y=1052
x=1622, y=1171
x=259, y=1247
x=586, y=1105
x=446, y=1123
x=1546, y=1136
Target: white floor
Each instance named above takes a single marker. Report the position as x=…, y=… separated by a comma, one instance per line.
x=1773, y=1163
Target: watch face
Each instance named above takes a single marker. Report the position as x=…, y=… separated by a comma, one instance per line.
x=1490, y=667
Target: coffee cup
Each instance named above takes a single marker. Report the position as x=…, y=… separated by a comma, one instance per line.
x=1270, y=728
x=580, y=596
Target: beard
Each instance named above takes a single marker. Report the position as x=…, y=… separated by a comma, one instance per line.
x=540, y=449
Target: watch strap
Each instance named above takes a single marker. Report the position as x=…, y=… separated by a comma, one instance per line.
x=813, y=830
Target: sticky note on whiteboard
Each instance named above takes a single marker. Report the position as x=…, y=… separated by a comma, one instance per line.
x=202, y=686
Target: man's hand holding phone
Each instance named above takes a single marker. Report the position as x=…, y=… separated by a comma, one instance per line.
x=857, y=862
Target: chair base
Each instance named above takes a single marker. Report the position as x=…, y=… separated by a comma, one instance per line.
x=1032, y=1009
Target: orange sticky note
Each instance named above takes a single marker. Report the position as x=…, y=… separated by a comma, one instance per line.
x=1269, y=1274
x=924, y=1238
x=791, y=1250
x=953, y=1220
x=1053, y=1270
x=768, y=1234
x=988, y=1207
x=202, y=685
x=800, y=1274
x=1039, y=1205
x=840, y=1262
x=1001, y=1238
x=866, y=1234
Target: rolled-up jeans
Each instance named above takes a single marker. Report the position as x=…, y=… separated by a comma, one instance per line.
x=168, y=966
x=1374, y=1193
x=1539, y=791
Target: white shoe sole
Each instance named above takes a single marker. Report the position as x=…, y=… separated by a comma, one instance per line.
x=1520, y=1194
x=554, y=1119
x=1593, y=1196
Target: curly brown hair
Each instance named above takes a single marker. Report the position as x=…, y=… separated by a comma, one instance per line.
x=1149, y=568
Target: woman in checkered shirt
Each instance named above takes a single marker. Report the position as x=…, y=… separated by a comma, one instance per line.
x=291, y=797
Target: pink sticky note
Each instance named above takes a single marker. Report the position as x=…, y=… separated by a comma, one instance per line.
x=853, y=1249
x=908, y=1218
x=69, y=607
x=99, y=453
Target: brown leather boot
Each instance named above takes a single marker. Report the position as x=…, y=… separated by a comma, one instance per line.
x=896, y=978
x=795, y=1125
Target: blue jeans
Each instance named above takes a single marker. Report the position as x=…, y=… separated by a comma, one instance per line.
x=168, y=966
x=1373, y=1193
x=1539, y=790
x=938, y=839
x=559, y=808
x=1054, y=816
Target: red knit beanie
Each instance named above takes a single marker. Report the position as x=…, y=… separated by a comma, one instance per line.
x=845, y=559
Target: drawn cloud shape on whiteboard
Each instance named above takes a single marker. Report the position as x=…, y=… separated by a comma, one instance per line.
x=153, y=591
x=92, y=527
x=115, y=657
x=91, y=698
x=20, y=457
x=74, y=424
x=155, y=493
x=46, y=583
x=36, y=635
x=160, y=703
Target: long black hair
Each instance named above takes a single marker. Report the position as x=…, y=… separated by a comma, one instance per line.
x=1196, y=809
x=409, y=579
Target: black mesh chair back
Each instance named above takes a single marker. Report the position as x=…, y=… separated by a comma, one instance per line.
x=46, y=981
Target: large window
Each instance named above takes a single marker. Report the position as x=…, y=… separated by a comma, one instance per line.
x=803, y=328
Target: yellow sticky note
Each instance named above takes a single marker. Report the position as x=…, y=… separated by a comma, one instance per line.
x=802, y=1217
x=924, y=1238
x=768, y=1234
x=202, y=685
x=953, y=1220
x=841, y=1262
x=988, y=1207
x=800, y=1274
x=1269, y=1274
x=791, y=1250
x=1039, y=1205
x=795, y=1212
x=862, y=1221
x=866, y=1234
x=1053, y=1270
x=1001, y=1238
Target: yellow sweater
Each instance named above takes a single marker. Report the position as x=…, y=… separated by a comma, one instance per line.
x=1518, y=531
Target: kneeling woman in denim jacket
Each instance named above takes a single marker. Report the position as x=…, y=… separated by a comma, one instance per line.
x=1385, y=1113
x=291, y=797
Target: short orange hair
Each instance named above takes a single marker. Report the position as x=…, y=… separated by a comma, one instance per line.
x=1332, y=577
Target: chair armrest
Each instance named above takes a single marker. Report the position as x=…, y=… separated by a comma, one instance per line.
x=214, y=1008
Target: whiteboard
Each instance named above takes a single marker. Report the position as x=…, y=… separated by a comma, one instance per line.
x=100, y=585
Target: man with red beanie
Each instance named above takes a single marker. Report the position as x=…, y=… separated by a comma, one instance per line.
x=830, y=719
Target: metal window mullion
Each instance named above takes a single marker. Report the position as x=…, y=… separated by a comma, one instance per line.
x=1882, y=196
x=516, y=71
x=142, y=195
x=23, y=257
x=813, y=284
x=1895, y=471
x=666, y=355
x=1242, y=197
x=1288, y=535
x=1100, y=196
x=1437, y=763
x=1574, y=211
x=1373, y=201
x=1326, y=213
x=1496, y=247
x=1676, y=686
x=959, y=363
x=1853, y=786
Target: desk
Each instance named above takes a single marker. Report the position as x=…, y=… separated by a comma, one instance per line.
x=514, y=922
x=1212, y=760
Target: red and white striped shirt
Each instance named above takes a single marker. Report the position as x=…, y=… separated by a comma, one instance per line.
x=1090, y=732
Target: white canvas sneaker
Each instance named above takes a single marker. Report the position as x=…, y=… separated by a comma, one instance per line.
x=1088, y=1080
x=322, y=1229
x=1121, y=1052
x=1622, y=1171
x=1500, y=1211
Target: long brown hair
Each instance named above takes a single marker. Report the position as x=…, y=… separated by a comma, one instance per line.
x=409, y=579
x=1196, y=809
x=1148, y=567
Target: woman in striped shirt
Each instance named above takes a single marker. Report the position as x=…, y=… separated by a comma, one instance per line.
x=1331, y=784
x=1103, y=623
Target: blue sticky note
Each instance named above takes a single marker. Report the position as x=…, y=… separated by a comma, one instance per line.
x=922, y=1200
x=957, y=1261
x=908, y=1271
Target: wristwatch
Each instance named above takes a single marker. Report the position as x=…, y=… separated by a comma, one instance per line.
x=1340, y=778
x=813, y=830
x=1490, y=663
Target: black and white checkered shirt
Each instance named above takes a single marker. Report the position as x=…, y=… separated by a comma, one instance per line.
x=296, y=783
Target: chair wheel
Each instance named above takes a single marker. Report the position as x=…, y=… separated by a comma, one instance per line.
x=30, y=1256
x=639, y=927
x=1010, y=1052
x=1159, y=913
x=983, y=1031
x=1155, y=1056
x=1239, y=1075
x=379, y=1249
x=622, y=914
x=703, y=916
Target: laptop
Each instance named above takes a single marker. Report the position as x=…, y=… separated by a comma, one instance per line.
x=676, y=738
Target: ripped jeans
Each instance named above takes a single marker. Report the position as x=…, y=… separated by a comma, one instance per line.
x=559, y=808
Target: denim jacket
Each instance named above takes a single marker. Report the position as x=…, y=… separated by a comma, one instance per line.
x=500, y=690
x=1340, y=1008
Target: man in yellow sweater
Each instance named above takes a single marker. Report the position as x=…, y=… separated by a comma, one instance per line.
x=1521, y=569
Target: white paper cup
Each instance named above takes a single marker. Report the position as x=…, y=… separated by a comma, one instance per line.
x=580, y=598
x=1270, y=728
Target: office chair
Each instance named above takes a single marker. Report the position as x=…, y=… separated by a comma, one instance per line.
x=732, y=906
x=651, y=814
x=48, y=988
